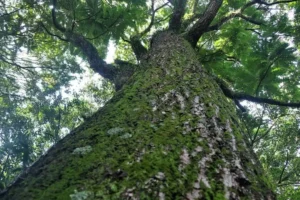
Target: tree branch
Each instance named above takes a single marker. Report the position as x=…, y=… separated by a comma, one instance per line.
x=253, y=139
x=251, y=3
x=126, y=71
x=231, y=16
x=135, y=41
x=54, y=19
x=238, y=13
x=89, y=17
x=241, y=96
x=203, y=22
x=139, y=50
x=153, y=11
x=274, y=3
x=247, y=5
x=254, y=31
x=264, y=75
x=195, y=6
x=17, y=65
x=179, y=10
x=59, y=37
x=283, y=169
x=12, y=12
x=248, y=19
x=87, y=48
x=222, y=21
x=264, y=134
x=239, y=105
x=107, y=29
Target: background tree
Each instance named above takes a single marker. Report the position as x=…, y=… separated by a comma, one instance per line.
x=249, y=48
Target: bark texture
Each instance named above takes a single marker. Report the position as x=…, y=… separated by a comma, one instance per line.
x=170, y=133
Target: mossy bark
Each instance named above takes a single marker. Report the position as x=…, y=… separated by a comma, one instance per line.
x=169, y=133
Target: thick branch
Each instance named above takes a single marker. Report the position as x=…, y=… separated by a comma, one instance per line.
x=88, y=49
x=238, y=13
x=117, y=75
x=153, y=11
x=248, y=19
x=175, y=21
x=239, y=105
x=139, y=50
x=274, y=3
x=54, y=19
x=231, y=16
x=49, y=33
x=241, y=96
x=125, y=71
x=253, y=2
x=203, y=22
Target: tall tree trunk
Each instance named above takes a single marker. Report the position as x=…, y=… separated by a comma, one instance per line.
x=170, y=133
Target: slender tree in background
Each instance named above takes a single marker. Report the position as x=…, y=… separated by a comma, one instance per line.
x=171, y=130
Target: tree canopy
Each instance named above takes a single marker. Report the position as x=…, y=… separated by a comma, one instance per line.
x=250, y=47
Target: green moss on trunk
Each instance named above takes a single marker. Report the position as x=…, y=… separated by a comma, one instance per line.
x=168, y=134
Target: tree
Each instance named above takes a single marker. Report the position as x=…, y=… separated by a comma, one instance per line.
x=170, y=131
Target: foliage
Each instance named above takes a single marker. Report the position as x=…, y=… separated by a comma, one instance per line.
x=274, y=136
x=37, y=66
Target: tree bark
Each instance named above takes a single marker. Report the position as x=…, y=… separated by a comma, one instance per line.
x=169, y=133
